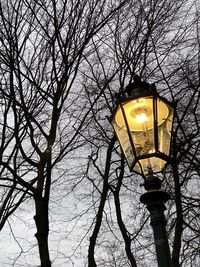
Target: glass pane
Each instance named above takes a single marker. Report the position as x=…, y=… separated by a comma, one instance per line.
x=124, y=141
x=139, y=114
x=143, y=142
x=154, y=164
x=164, y=129
x=138, y=168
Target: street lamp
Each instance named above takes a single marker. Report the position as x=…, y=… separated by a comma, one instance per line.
x=142, y=121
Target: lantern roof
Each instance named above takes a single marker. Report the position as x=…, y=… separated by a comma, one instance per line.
x=139, y=89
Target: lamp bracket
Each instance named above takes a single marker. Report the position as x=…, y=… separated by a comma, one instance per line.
x=152, y=182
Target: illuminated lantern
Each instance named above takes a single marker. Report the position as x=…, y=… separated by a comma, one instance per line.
x=143, y=124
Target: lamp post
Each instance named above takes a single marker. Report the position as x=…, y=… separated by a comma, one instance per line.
x=142, y=121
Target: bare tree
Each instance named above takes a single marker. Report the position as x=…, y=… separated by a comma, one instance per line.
x=62, y=62
x=154, y=40
x=43, y=46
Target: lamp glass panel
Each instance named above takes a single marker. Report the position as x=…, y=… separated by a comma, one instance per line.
x=124, y=140
x=165, y=128
x=137, y=168
x=139, y=116
x=140, y=119
x=152, y=163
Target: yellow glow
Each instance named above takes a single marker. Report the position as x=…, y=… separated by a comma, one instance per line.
x=142, y=117
x=139, y=111
x=138, y=116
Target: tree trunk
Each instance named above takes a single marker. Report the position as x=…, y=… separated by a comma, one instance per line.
x=93, y=238
x=124, y=232
x=42, y=225
x=179, y=218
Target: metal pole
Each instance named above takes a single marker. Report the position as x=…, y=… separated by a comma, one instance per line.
x=154, y=201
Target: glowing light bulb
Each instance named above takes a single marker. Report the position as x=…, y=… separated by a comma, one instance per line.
x=142, y=117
